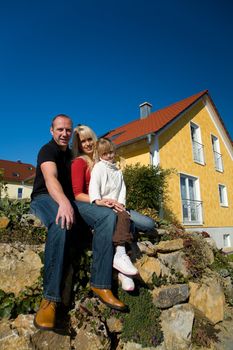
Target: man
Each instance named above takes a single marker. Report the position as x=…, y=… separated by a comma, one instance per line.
x=52, y=202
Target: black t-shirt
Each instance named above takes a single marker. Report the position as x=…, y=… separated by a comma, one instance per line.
x=51, y=152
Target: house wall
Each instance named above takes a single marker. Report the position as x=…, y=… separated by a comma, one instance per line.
x=12, y=191
x=137, y=152
x=175, y=150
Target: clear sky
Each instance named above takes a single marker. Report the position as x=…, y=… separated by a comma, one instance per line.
x=98, y=60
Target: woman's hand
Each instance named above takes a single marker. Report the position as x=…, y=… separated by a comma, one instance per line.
x=104, y=202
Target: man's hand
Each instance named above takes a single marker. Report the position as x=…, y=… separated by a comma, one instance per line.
x=66, y=215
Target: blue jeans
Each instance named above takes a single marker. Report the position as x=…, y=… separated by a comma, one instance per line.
x=141, y=222
x=45, y=208
x=103, y=221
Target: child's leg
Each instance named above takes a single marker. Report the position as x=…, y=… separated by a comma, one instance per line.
x=121, y=261
x=122, y=232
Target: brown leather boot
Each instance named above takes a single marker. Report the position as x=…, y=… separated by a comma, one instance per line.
x=106, y=296
x=45, y=316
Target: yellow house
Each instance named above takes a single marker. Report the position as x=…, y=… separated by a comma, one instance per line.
x=18, y=178
x=189, y=136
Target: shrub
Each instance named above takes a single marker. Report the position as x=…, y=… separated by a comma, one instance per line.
x=146, y=186
x=141, y=324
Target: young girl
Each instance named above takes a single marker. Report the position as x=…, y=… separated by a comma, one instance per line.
x=107, y=184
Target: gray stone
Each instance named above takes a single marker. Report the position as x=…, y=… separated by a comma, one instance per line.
x=167, y=296
x=177, y=325
x=173, y=261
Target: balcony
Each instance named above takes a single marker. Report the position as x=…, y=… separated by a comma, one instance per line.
x=218, y=161
x=198, y=152
x=192, y=212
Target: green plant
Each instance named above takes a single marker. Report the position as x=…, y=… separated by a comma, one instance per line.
x=196, y=260
x=146, y=186
x=141, y=324
x=27, y=302
x=203, y=332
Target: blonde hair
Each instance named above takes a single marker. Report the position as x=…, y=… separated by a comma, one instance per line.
x=76, y=143
x=104, y=145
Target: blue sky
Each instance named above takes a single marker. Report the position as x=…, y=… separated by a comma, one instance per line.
x=98, y=60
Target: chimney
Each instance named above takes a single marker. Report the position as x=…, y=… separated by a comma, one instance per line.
x=145, y=109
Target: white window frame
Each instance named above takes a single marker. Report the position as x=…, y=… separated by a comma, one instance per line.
x=218, y=161
x=191, y=206
x=222, y=190
x=197, y=146
x=19, y=188
x=226, y=240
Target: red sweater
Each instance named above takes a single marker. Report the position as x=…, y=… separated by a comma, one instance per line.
x=80, y=175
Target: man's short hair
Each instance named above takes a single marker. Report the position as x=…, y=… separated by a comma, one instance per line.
x=58, y=116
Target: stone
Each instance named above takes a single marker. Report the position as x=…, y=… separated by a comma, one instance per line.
x=114, y=325
x=173, y=261
x=176, y=324
x=167, y=296
x=208, y=297
x=211, y=242
x=147, y=266
x=18, y=270
x=47, y=340
x=4, y=222
x=135, y=346
x=146, y=247
x=170, y=246
x=92, y=335
x=24, y=325
x=10, y=338
x=30, y=219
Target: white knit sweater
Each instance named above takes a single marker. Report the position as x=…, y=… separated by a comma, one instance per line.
x=107, y=182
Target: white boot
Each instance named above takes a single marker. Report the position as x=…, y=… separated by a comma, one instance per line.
x=127, y=282
x=122, y=263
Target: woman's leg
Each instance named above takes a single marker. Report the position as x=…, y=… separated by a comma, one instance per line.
x=142, y=222
x=103, y=221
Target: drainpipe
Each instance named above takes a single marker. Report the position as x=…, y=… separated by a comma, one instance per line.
x=152, y=141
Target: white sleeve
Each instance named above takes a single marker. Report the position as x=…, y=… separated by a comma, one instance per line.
x=122, y=194
x=95, y=184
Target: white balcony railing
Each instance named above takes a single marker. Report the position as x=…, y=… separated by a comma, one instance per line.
x=198, y=152
x=218, y=161
x=192, y=211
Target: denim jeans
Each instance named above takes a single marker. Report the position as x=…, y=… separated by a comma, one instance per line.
x=103, y=221
x=45, y=208
x=141, y=222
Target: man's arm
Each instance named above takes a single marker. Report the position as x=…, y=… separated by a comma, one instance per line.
x=65, y=210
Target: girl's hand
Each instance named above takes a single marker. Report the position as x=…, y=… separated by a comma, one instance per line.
x=104, y=203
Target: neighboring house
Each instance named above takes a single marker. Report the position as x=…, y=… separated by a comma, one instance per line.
x=18, y=178
x=189, y=136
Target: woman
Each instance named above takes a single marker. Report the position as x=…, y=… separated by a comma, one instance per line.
x=100, y=217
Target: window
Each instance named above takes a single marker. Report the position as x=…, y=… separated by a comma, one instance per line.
x=198, y=148
x=20, y=193
x=190, y=196
x=15, y=174
x=223, y=195
x=217, y=155
x=226, y=240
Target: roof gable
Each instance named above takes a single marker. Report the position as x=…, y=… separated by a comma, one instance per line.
x=154, y=122
x=16, y=171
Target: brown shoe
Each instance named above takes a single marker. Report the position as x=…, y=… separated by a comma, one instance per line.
x=45, y=316
x=106, y=296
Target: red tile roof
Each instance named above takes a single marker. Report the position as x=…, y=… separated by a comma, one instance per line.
x=154, y=122
x=17, y=171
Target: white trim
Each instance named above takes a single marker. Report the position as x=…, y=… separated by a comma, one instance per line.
x=154, y=150
x=217, y=123
x=197, y=198
x=224, y=193
x=198, y=142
